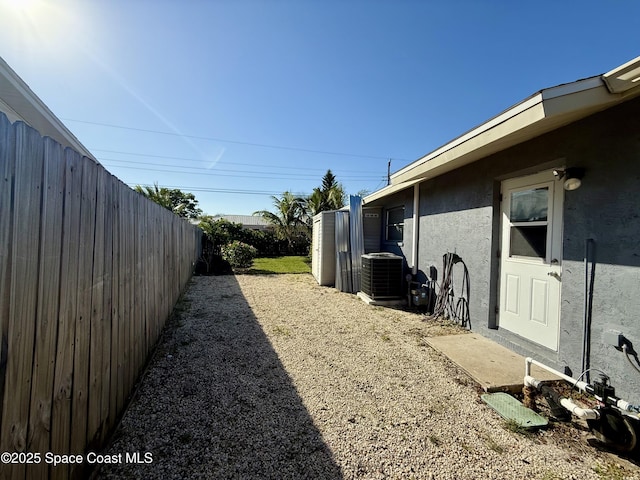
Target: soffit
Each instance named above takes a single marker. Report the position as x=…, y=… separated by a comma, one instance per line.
x=623, y=78
x=541, y=113
x=19, y=102
x=389, y=190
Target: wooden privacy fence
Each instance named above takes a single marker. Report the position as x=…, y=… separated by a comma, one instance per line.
x=89, y=272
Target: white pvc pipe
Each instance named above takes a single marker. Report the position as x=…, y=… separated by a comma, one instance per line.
x=626, y=406
x=530, y=381
x=584, y=413
x=530, y=361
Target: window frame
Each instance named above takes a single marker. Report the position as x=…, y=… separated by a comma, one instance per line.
x=532, y=223
x=395, y=225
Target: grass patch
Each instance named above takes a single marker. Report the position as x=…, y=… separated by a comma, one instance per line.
x=466, y=447
x=281, y=331
x=493, y=445
x=549, y=475
x=515, y=427
x=609, y=472
x=280, y=265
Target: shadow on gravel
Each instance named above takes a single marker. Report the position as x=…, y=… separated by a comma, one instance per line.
x=217, y=403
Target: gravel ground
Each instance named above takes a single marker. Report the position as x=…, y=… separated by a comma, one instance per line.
x=277, y=377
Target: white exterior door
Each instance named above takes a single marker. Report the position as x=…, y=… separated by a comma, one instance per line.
x=531, y=258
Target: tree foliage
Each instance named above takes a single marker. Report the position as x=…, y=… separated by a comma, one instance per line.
x=239, y=254
x=221, y=232
x=182, y=204
x=329, y=196
x=292, y=217
x=288, y=220
x=329, y=181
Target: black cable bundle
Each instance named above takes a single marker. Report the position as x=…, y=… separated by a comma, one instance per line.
x=447, y=305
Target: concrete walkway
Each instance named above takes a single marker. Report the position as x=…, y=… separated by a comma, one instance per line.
x=494, y=367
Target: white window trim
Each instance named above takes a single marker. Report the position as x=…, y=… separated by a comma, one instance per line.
x=387, y=225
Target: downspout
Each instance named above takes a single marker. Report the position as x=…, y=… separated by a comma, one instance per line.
x=416, y=228
x=587, y=307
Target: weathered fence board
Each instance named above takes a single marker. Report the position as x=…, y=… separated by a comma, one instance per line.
x=48, y=304
x=137, y=292
x=89, y=272
x=129, y=268
x=106, y=419
x=23, y=294
x=7, y=167
x=116, y=300
x=96, y=328
x=62, y=390
x=83, y=316
x=122, y=299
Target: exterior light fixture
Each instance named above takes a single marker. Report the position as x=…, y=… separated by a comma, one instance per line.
x=572, y=177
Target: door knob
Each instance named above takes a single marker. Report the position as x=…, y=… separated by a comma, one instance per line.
x=555, y=275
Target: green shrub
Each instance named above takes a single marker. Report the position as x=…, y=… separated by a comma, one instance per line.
x=221, y=232
x=239, y=254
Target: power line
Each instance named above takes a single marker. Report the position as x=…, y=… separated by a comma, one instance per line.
x=210, y=173
x=244, y=172
x=219, y=190
x=187, y=159
x=224, y=140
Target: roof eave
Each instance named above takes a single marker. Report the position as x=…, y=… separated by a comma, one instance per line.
x=389, y=190
x=543, y=112
x=19, y=102
x=623, y=78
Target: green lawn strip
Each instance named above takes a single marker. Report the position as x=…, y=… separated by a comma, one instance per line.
x=290, y=264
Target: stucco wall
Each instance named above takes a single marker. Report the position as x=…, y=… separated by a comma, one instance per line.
x=606, y=209
x=459, y=212
x=456, y=216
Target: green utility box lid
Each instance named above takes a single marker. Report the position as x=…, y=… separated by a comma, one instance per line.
x=512, y=409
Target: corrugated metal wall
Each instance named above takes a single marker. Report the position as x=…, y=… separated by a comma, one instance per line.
x=356, y=239
x=343, y=253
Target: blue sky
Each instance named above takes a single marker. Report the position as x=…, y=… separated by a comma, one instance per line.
x=239, y=100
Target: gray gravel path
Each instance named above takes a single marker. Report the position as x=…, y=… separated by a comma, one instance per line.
x=275, y=377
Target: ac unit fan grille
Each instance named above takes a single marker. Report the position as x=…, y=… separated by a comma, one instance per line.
x=382, y=276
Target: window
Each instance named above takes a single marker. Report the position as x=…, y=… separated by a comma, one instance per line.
x=529, y=223
x=395, y=224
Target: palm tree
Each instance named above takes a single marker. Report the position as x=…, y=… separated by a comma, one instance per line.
x=330, y=196
x=182, y=204
x=289, y=217
x=155, y=194
x=336, y=197
x=317, y=202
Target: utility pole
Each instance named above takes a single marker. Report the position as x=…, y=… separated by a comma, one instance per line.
x=389, y=173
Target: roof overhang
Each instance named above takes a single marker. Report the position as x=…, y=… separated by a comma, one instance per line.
x=19, y=102
x=543, y=112
x=623, y=78
x=389, y=190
